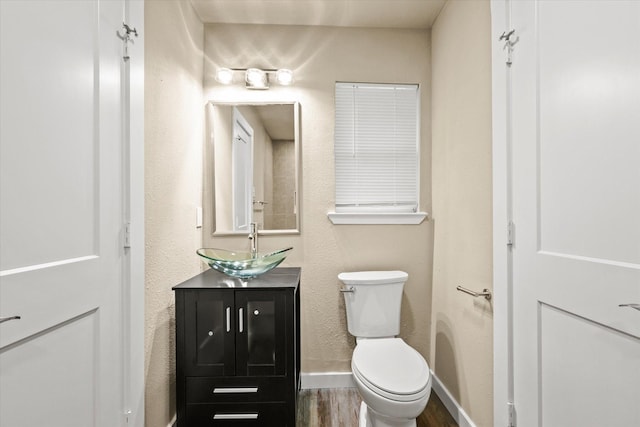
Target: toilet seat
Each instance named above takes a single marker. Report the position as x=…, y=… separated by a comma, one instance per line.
x=391, y=368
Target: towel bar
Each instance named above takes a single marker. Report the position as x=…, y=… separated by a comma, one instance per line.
x=485, y=292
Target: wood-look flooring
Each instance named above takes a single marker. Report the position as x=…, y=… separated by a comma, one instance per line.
x=340, y=408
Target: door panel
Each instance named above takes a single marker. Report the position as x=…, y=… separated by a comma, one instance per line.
x=600, y=352
x=62, y=216
x=210, y=324
x=42, y=369
x=576, y=208
x=589, y=107
x=261, y=328
x=49, y=198
x=262, y=340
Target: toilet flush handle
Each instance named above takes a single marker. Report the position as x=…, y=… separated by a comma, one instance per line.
x=349, y=289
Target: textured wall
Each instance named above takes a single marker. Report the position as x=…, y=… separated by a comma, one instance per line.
x=174, y=114
x=462, y=335
x=320, y=56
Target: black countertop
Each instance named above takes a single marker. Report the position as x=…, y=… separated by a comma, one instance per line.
x=281, y=277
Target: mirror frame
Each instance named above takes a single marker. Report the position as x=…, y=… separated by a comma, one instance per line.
x=211, y=170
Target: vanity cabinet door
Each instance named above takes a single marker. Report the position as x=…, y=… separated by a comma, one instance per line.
x=263, y=327
x=209, y=333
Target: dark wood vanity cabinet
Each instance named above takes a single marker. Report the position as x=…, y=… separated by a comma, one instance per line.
x=238, y=349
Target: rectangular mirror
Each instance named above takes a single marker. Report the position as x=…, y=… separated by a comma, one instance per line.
x=255, y=151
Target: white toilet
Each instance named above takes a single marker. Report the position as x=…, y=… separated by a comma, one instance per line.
x=393, y=379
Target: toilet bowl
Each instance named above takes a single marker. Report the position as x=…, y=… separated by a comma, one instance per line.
x=392, y=378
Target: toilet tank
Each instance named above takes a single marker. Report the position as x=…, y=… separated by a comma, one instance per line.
x=372, y=301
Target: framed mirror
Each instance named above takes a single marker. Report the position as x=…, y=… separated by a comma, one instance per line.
x=255, y=167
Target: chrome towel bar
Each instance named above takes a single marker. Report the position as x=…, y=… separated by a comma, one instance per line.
x=485, y=292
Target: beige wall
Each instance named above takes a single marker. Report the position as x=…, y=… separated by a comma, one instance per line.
x=320, y=56
x=174, y=112
x=462, y=338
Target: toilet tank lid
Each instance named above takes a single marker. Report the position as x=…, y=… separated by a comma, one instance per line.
x=372, y=277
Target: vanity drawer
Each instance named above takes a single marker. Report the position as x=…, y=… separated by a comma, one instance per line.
x=239, y=414
x=235, y=389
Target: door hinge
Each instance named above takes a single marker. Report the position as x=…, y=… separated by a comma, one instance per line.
x=512, y=414
x=127, y=235
x=508, y=44
x=126, y=37
x=511, y=234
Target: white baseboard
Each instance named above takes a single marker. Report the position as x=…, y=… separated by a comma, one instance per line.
x=326, y=380
x=173, y=422
x=450, y=403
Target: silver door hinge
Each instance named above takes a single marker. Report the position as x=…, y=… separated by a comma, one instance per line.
x=512, y=414
x=511, y=234
x=127, y=235
x=126, y=37
x=508, y=44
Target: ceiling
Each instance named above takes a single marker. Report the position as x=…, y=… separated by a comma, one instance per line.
x=416, y=14
x=277, y=120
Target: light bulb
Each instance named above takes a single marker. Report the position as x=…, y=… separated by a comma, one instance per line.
x=284, y=76
x=256, y=79
x=224, y=75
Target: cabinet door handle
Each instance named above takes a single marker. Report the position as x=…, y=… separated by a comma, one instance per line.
x=219, y=390
x=246, y=416
x=228, y=319
x=240, y=322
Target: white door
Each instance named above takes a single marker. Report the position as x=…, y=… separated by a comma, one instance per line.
x=242, y=171
x=576, y=207
x=61, y=217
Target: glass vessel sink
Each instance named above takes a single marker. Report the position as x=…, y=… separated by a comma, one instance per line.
x=242, y=264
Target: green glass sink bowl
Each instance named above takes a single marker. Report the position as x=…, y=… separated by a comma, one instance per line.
x=242, y=264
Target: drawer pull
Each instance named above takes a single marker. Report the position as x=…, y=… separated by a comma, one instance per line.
x=228, y=319
x=248, y=416
x=219, y=390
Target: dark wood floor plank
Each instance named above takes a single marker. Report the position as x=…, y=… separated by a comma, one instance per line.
x=340, y=408
x=436, y=414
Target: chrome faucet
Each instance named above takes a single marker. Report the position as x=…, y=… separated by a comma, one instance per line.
x=253, y=239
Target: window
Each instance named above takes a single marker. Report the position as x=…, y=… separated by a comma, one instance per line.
x=377, y=154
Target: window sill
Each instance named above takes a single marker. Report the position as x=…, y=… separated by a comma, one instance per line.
x=412, y=218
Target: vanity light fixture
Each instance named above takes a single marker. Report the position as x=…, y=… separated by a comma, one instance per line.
x=255, y=78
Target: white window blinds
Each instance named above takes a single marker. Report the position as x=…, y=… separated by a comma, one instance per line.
x=376, y=147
